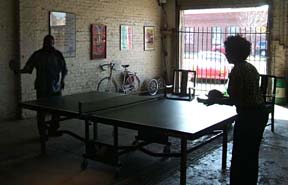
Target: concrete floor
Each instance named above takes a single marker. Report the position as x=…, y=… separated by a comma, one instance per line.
x=21, y=164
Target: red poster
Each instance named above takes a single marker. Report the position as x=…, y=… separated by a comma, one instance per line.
x=98, y=41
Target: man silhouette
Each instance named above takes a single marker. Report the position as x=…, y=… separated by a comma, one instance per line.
x=50, y=74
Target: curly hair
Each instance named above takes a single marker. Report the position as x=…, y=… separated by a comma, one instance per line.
x=237, y=47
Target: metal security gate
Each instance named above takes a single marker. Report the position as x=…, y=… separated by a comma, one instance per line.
x=202, y=50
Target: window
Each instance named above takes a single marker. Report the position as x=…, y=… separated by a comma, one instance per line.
x=216, y=35
x=188, y=35
x=202, y=33
x=233, y=30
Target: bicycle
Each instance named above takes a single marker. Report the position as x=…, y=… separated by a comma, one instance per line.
x=154, y=85
x=130, y=81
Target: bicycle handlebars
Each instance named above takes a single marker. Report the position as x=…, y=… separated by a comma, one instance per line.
x=111, y=65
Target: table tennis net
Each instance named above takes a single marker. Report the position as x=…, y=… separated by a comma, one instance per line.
x=112, y=103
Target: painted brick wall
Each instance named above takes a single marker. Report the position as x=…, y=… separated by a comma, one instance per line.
x=84, y=74
x=279, y=64
x=8, y=98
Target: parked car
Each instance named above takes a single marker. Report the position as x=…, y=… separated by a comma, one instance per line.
x=219, y=47
x=210, y=65
x=261, y=48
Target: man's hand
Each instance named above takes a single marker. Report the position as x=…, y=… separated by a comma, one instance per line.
x=14, y=66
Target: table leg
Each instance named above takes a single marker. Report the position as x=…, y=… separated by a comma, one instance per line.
x=115, y=145
x=183, y=162
x=95, y=131
x=87, y=137
x=42, y=131
x=224, y=146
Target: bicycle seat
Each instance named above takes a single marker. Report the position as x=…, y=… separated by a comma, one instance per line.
x=125, y=66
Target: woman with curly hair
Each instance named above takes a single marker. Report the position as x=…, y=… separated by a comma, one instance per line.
x=244, y=92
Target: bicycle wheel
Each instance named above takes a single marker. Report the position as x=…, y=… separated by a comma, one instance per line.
x=137, y=84
x=161, y=84
x=133, y=83
x=152, y=87
x=107, y=85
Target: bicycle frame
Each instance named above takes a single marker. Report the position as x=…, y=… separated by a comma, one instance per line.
x=108, y=83
x=130, y=81
x=111, y=68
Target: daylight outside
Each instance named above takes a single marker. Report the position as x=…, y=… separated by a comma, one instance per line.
x=203, y=32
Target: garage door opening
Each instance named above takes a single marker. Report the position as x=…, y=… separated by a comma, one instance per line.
x=202, y=33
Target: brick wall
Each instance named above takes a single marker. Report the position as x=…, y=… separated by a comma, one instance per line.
x=279, y=31
x=8, y=47
x=84, y=74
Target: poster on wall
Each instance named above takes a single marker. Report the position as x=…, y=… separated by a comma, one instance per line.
x=149, y=37
x=98, y=41
x=62, y=26
x=126, y=37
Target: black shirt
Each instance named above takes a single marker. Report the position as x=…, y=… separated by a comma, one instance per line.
x=49, y=64
x=243, y=86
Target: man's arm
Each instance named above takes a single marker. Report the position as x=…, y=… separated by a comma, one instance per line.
x=63, y=69
x=217, y=97
x=28, y=68
x=221, y=101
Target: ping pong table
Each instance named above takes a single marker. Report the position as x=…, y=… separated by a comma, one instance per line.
x=172, y=118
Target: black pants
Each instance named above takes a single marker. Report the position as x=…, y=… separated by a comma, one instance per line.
x=54, y=122
x=248, y=133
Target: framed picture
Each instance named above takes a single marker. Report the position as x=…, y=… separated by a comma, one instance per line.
x=98, y=41
x=62, y=26
x=149, y=37
x=126, y=35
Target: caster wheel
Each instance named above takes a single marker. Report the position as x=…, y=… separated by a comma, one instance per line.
x=166, y=149
x=136, y=142
x=84, y=164
x=116, y=174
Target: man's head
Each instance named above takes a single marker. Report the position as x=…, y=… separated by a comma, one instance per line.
x=237, y=49
x=48, y=42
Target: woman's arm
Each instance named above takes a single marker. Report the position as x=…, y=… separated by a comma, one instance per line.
x=221, y=101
